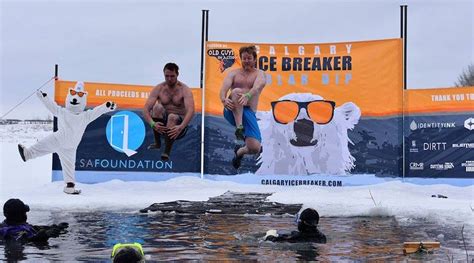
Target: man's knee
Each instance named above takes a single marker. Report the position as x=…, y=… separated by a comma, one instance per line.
x=173, y=118
x=158, y=111
x=235, y=93
x=253, y=148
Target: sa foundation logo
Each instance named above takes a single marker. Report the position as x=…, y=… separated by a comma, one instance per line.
x=225, y=56
x=469, y=124
x=125, y=132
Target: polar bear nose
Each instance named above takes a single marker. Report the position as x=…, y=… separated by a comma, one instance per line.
x=74, y=101
x=303, y=129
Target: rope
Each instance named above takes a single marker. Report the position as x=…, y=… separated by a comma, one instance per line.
x=21, y=102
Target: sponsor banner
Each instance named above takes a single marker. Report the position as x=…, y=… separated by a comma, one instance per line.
x=375, y=146
x=125, y=95
x=330, y=181
x=367, y=73
x=114, y=146
x=439, y=100
x=356, y=130
x=439, y=145
x=439, y=132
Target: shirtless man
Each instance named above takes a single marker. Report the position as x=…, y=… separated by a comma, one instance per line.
x=169, y=109
x=240, y=105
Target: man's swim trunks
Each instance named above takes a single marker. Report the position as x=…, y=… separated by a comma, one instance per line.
x=249, y=120
x=165, y=122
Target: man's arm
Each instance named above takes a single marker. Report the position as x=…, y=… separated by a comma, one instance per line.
x=259, y=84
x=226, y=85
x=150, y=102
x=256, y=89
x=43, y=233
x=189, y=107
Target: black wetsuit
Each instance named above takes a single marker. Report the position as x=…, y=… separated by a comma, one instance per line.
x=24, y=232
x=314, y=236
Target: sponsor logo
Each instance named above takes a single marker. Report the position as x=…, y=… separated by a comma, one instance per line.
x=442, y=167
x=413, y=148
x=416, y=166
x=469, y=124
x=469, y=166
x=434, y=146
x=225, y=56
x=125, y=132
x=463, y=145
x=431, y=125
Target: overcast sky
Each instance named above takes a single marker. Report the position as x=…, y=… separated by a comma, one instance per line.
x=130, y=41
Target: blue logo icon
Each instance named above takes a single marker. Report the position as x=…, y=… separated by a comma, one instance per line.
x=125, y=132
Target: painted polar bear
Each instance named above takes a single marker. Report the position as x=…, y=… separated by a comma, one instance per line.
x=302, y=146
x=72, y=122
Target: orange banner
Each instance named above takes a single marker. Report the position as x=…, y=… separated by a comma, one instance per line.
x=367, y=73
x=125, y=96
x=459, y=99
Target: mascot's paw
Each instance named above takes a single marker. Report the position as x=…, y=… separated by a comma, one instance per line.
x=21, y=150
x=71, y=190
x=111, y=105
x=41, y=94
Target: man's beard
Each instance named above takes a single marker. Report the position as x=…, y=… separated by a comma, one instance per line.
x=248, y=66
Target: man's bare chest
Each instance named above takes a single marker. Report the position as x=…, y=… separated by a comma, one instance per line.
x=170, y=97
x=244, y=81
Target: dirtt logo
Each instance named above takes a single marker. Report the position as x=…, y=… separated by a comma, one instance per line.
x=224, y=55
x=469, y=124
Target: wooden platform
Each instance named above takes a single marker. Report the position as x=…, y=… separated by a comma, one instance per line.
x=228, y=203
x=419, y=246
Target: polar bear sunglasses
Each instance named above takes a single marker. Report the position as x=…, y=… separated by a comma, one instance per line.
x=73, y=92
x=286, y=111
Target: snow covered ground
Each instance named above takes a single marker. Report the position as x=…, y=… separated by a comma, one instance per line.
x=31, y=182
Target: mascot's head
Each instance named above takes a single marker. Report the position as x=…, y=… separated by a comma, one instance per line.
x=76, y=98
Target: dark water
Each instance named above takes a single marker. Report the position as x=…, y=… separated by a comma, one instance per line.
x=224, y=237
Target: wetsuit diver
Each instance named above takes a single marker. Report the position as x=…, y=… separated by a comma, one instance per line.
x=307, y=230
x=15, y=227
x=127, y=253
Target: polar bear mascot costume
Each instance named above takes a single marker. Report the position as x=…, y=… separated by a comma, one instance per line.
x=72, y=122
x=304, y=147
